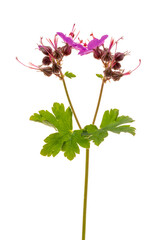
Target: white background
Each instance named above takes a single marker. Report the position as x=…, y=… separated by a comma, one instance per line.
x=42, y=198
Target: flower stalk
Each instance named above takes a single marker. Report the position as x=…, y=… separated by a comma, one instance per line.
x=69, y=100
x=87, y=170
x=85, y=195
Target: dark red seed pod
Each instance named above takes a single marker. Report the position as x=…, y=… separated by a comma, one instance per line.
x=116, y=76
x=47, y=71
x=119, y=56
x=66, y=50
x=106, y=56
x=46, y=60
x=97, y=53
x=107, y=74
x=57, y=54
x=56, y=68
x=116, y=66
x=45, y=50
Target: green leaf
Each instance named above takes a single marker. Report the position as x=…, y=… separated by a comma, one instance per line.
x=99, y=75
x=69, y=74
x=64, y=139
x=53, y=145
x=110, y=122
x=61, y=120
x=44, y=117
x=81, y=140
x=93, y=133
x=70, y=148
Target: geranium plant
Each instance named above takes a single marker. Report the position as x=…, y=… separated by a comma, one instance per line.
x=64, y=138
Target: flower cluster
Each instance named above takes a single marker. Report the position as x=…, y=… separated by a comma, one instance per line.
x=53, y=55
x=52, y=61
x=111, y=61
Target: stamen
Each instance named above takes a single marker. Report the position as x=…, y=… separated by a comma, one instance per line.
x=49, y=40
x=129, y=72
x=35, y=67
x=41, y=40
x=72, y=32
x=55, y=41
x=73, y=28
x=81, y=41
x=76, y=35
x=119, y=39
x=92, y=35
x=111, y=44
x=117, y=43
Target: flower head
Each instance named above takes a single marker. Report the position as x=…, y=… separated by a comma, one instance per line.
x=93, y=45
x=70, y=40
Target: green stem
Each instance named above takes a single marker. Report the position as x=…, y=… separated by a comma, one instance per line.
x=87, y=153
x=99, y=100
x=69, y=100
x=87, y=170
x=85, y=195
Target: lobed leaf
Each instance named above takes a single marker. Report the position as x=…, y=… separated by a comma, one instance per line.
x=61, y=120
x=110, y=122
x=64, y=139
x=93, y=133
x=44, y=117
x=69, y=74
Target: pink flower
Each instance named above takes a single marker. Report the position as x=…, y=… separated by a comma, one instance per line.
x=93, y=44
x=70, y=40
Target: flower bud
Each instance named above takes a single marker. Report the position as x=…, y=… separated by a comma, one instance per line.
x=57, y=54
x=119, y=56
x=45, y=50
x=66, y=50
x=107, y=73
x=116, y=76
x=56, y=68
x=106, y=56
x=46, y=60
x=47, y=71
x=97, y=53
x=116, y=66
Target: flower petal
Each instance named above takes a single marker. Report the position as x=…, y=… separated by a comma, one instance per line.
x=97, y=42
x=93, y=44
x=79, y=46
x=65, y=39
x=103, y=38
x=84, y=52
x=71, y=42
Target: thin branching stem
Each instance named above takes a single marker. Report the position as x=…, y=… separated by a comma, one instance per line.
x=87, y=170
x=69, y=100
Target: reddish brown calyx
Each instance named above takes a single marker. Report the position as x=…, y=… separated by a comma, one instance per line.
x=66, y=50
x=97, y=53
x=56, y=68
x=46, y=60
x=45, y=49
x=57, y=54
x=47, y=71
